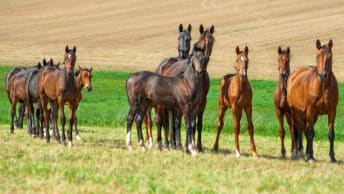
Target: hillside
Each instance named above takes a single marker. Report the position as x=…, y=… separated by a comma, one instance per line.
x=137, y=34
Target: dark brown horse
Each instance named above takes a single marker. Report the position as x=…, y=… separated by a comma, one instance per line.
x=313, y=91
x=280, y=95
x=184, y=39
x=172, y=67
x=59, y=87
x=236, y=93
x=183, y=93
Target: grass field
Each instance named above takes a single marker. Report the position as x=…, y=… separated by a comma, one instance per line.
x=101, y=163
x=119, y=37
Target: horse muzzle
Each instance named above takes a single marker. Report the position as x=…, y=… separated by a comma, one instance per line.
x=88, y=88
x=323, y=76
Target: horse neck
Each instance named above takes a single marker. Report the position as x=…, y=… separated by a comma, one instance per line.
x=69, y=80
x=242, y=83
x=79, y=83
x=282, y=85
x=191, y=78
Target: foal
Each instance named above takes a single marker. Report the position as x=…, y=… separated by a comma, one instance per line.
x=183, y=93
x=280, y=95
x=236, y=93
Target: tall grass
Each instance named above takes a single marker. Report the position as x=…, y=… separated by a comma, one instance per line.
x=100, y=163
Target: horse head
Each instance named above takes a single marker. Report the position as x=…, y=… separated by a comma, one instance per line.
x=324, y=60
x=184, y=40
x=206, y=40
x=69, y=59
x=85, y=77
x=241, y=62
x=283, y=62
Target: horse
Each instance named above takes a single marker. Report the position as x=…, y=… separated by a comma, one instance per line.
x=16, y=90
x=31, y=87
x=280, y=94
x=59, y=87
x=183, y=92
x=173, y=67
x=313, y=91
x=236, y=93
x=83, y=78
x=184, y=39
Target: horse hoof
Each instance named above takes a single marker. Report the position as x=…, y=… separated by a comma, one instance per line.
x=159, y=146
x=255, y=155
x=77, y=137
x=70, y=144
x=130, y=148
x=192, y=151
x=143, y=149
x=237, y=153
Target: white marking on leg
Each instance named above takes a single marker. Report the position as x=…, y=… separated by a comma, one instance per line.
x=237, y=153
x=150, y=142
x=78, y=137
x=192, y=150
x=45, y=132
x=70, y=144
x=128, y=139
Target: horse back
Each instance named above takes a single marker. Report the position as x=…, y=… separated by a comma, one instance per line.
x=172, y=67
x=49, y=82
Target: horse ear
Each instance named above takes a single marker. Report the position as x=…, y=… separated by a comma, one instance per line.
x=201, y=29
x=318, y=44
x=91, y=69
x=44, y=62
x=66, y=49
x=180, y=28
x=74, y=49
x=237, y=50
x=51, y=61
x=330, y=44
x=279, y=50
x=246, y=50
x=212, y=30
x=189, y=28
x=288, y=50
x=39, y=65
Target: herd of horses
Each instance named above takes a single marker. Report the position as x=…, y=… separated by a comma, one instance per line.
x=178, y=88
x=180, y=85
x=34, y=87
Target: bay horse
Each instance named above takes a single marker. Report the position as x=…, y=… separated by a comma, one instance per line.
x=17, y=92
x=183, y=92
x=59, y=87
x=313, y=91
x=236, y=93
x=184, y=40
x=31, y=87
x=172, y=67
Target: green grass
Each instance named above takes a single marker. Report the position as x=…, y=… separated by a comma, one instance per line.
x=100, y=163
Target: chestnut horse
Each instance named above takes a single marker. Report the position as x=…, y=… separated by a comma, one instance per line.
x=183, y=92
x=280, y=95
x=59, y=87
x=236, y=93
x=313, y=91
x=173, y=67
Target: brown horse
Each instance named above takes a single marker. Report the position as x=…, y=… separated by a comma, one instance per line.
x=172, y=67
x=280, y=95
x=17, y=92
x=146, y=89
x=236, y=93
x=313, y=91
x=59, y=87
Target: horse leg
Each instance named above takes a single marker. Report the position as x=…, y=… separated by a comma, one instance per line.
x=166, y=126
x=77, y=135
x=331, y=133
x=248, y=111
x=71, y=123
x=177, y=119
x=199, y=131
x=13, y=114
x=148, y=123
x=279, y=115
x=130, y=118
x=221, y=114
x=310, y=116
x=236, y=113
x=20, y=118
x=158, y=122
x=190, y=143
x=63, y=120
x=173, y=135
x=44, y=104
x=139, y=120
